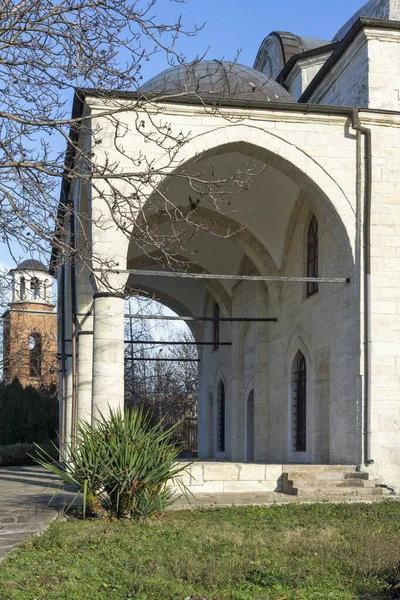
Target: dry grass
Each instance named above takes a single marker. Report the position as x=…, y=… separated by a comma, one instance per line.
x=334, y=552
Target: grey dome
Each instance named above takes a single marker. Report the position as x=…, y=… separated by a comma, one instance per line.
x=376, y=9
x=222, y=80
x=31, y=265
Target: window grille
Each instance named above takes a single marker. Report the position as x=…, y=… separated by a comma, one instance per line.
x=221, y=417
x=215, y=337
x=312, y=256
x=299, y=404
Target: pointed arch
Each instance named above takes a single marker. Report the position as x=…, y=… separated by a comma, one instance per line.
x=299, y=403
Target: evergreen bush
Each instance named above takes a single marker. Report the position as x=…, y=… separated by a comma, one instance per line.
x=122, y=465
x=27, y=415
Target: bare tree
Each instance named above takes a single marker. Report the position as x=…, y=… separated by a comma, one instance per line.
x=49, y=48
x=163, y=377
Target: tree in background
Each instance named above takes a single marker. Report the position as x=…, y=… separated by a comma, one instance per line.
x=167, y=388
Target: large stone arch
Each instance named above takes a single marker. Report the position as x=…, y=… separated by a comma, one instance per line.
x=269, y=147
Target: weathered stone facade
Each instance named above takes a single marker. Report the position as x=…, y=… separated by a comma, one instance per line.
x=311, y=161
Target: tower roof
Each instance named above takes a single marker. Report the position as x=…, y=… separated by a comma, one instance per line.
x=31, y=265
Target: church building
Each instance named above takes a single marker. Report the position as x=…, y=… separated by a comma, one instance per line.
x=269, y=218
x=30, y=327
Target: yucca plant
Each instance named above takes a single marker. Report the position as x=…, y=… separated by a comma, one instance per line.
x=121, y=465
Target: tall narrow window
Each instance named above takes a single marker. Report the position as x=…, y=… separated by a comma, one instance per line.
x=221, y=417
x=22, y=288
x=35, y=355
x=215, y=336
x=35, y=289
x=299, y=403
x=312, y=256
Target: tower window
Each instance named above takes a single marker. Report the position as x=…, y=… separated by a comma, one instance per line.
x=215, y=336
x=22, y=288
x=299, y=403
x=35, y=355
x=35, y=288
x=312, y=256
x=221, y=417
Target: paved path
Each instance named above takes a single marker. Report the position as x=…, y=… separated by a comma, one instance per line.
x=25, y=493
x=24, y=496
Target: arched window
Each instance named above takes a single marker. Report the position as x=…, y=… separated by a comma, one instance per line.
x=215, y=336
x=299, y=403
x=221, y=417
x=22, y=288
x=312, y=256
x=250, y=427
x=35, y=289
x=35, y=355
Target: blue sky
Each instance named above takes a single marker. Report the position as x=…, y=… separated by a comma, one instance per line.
x=232, y=26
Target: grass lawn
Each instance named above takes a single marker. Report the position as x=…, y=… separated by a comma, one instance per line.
x=295, y=552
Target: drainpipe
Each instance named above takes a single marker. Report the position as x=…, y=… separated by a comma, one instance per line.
x=74, y=336
x=367, y=282
x=63, y=365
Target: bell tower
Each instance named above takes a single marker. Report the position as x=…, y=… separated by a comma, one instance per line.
x=30, y=327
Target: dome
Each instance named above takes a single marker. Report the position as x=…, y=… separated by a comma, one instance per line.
x=222, y=80
x=375, y=9
x=31, y=265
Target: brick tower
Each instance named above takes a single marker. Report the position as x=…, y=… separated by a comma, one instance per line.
x=30, y=327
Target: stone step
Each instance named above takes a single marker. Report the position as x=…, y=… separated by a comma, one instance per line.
x=328, y=484
x=319, y=468
x=340, y=492
x=324, y=475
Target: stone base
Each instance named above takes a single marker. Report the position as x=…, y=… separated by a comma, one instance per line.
x=209, y=477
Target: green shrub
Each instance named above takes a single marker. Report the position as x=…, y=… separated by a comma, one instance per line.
x=27, y=415
x=122, y=465
x=23, y=454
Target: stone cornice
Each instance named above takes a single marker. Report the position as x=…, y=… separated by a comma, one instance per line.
x=359, y=25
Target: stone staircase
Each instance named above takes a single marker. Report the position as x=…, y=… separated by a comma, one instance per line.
x=330, y=481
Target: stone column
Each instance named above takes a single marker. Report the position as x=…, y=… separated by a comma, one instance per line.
x=108, y=353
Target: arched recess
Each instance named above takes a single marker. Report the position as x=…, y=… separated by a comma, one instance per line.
x=299, y=345
x=270, y=148
x=322, y=414
x=299, y=405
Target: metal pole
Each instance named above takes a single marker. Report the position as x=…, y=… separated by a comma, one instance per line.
x=224, y=277
x=165, y=359
x=63, y=364
x=74, y=327
x=166, y=343
x=132, y=356
x=221, y=319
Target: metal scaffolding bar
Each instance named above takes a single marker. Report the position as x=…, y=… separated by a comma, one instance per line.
x=224, y=319
x=166, y=343
x=186, y=275
x=164, y=359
